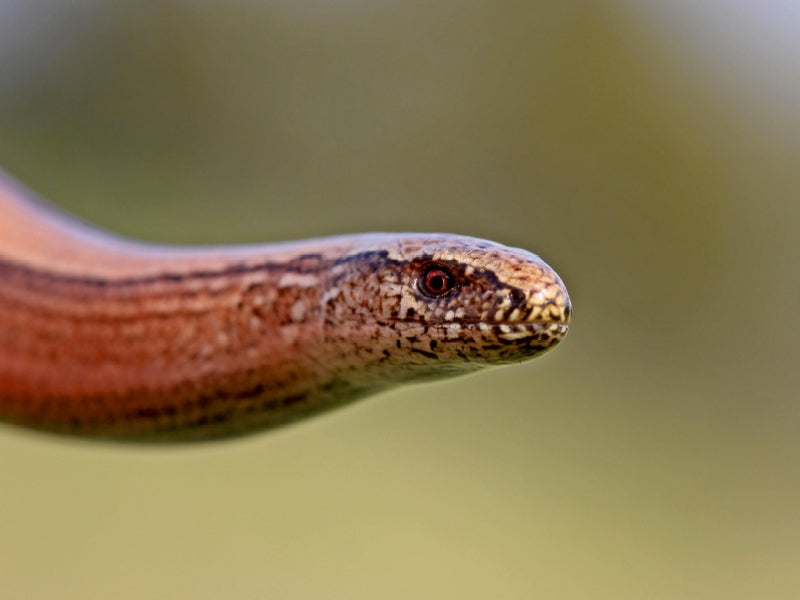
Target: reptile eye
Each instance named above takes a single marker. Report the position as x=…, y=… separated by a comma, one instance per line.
x=437, y=281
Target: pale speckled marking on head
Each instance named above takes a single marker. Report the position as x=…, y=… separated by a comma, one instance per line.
x=506, y=305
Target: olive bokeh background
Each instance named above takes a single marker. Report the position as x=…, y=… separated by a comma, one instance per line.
x=649, y=151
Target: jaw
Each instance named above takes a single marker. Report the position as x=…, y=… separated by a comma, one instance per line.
x=545, y=332
x=470, y=345
x=405, y=351
x=504, y=343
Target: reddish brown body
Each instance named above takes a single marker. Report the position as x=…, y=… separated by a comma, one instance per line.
x=107, y=337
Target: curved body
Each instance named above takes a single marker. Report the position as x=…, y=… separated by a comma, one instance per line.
x=112, y=338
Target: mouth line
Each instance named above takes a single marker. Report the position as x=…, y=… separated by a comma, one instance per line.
x=520, y=330
x=515, y=333
x=508, y=332
x=545, y=334
x=489, y=325
x=507, y=325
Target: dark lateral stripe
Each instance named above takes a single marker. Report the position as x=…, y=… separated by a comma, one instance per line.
x=299, y=265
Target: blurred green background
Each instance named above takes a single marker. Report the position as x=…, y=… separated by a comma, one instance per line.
x=649, y=151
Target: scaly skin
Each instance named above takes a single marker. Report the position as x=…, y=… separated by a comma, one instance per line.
x=111, y=338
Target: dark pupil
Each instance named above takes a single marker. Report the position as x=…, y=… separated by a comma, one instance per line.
x=437, y=281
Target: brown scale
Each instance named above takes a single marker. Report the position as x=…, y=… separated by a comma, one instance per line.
x=111, y=338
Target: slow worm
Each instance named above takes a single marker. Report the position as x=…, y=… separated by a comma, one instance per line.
x=107, y=337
